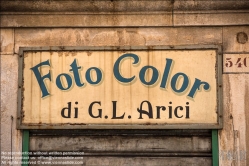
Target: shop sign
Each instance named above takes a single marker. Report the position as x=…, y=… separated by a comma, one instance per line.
x=119, y=88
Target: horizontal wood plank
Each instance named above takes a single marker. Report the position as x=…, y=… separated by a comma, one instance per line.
x=121, y=144
x=134, y=161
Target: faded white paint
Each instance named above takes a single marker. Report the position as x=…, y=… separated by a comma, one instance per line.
x=194, y=64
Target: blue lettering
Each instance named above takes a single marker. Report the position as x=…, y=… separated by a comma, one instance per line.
x=59, y=83
x=196, y=87
x=166, y=73
x=40, y=78
x=184, y=84
x=116, y=68
x=154, y=75
x=75, y=70
x=98, y=73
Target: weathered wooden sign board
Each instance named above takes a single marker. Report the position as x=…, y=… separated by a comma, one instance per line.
x=112, y=87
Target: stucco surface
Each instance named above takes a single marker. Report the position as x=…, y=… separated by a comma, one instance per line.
x=10, y=137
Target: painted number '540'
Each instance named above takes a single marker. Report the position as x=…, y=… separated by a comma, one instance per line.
x=240, y=62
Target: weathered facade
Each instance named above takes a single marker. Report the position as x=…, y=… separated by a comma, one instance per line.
x=144, y=23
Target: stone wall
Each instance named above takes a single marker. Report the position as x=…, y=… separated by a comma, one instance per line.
x=130, y=23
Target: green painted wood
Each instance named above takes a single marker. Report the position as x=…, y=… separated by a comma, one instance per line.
x=215, y=148
x=25, y=147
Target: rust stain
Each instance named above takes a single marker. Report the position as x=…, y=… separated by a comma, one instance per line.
x=242, y=37
x=89, y=53
x=150, y=47
x=60, y=54
x=226, y=135
x=246, y=98
x=18, y=137
x=62, y=48
x=74, y=53
x=67, y=53
x=76, y=123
